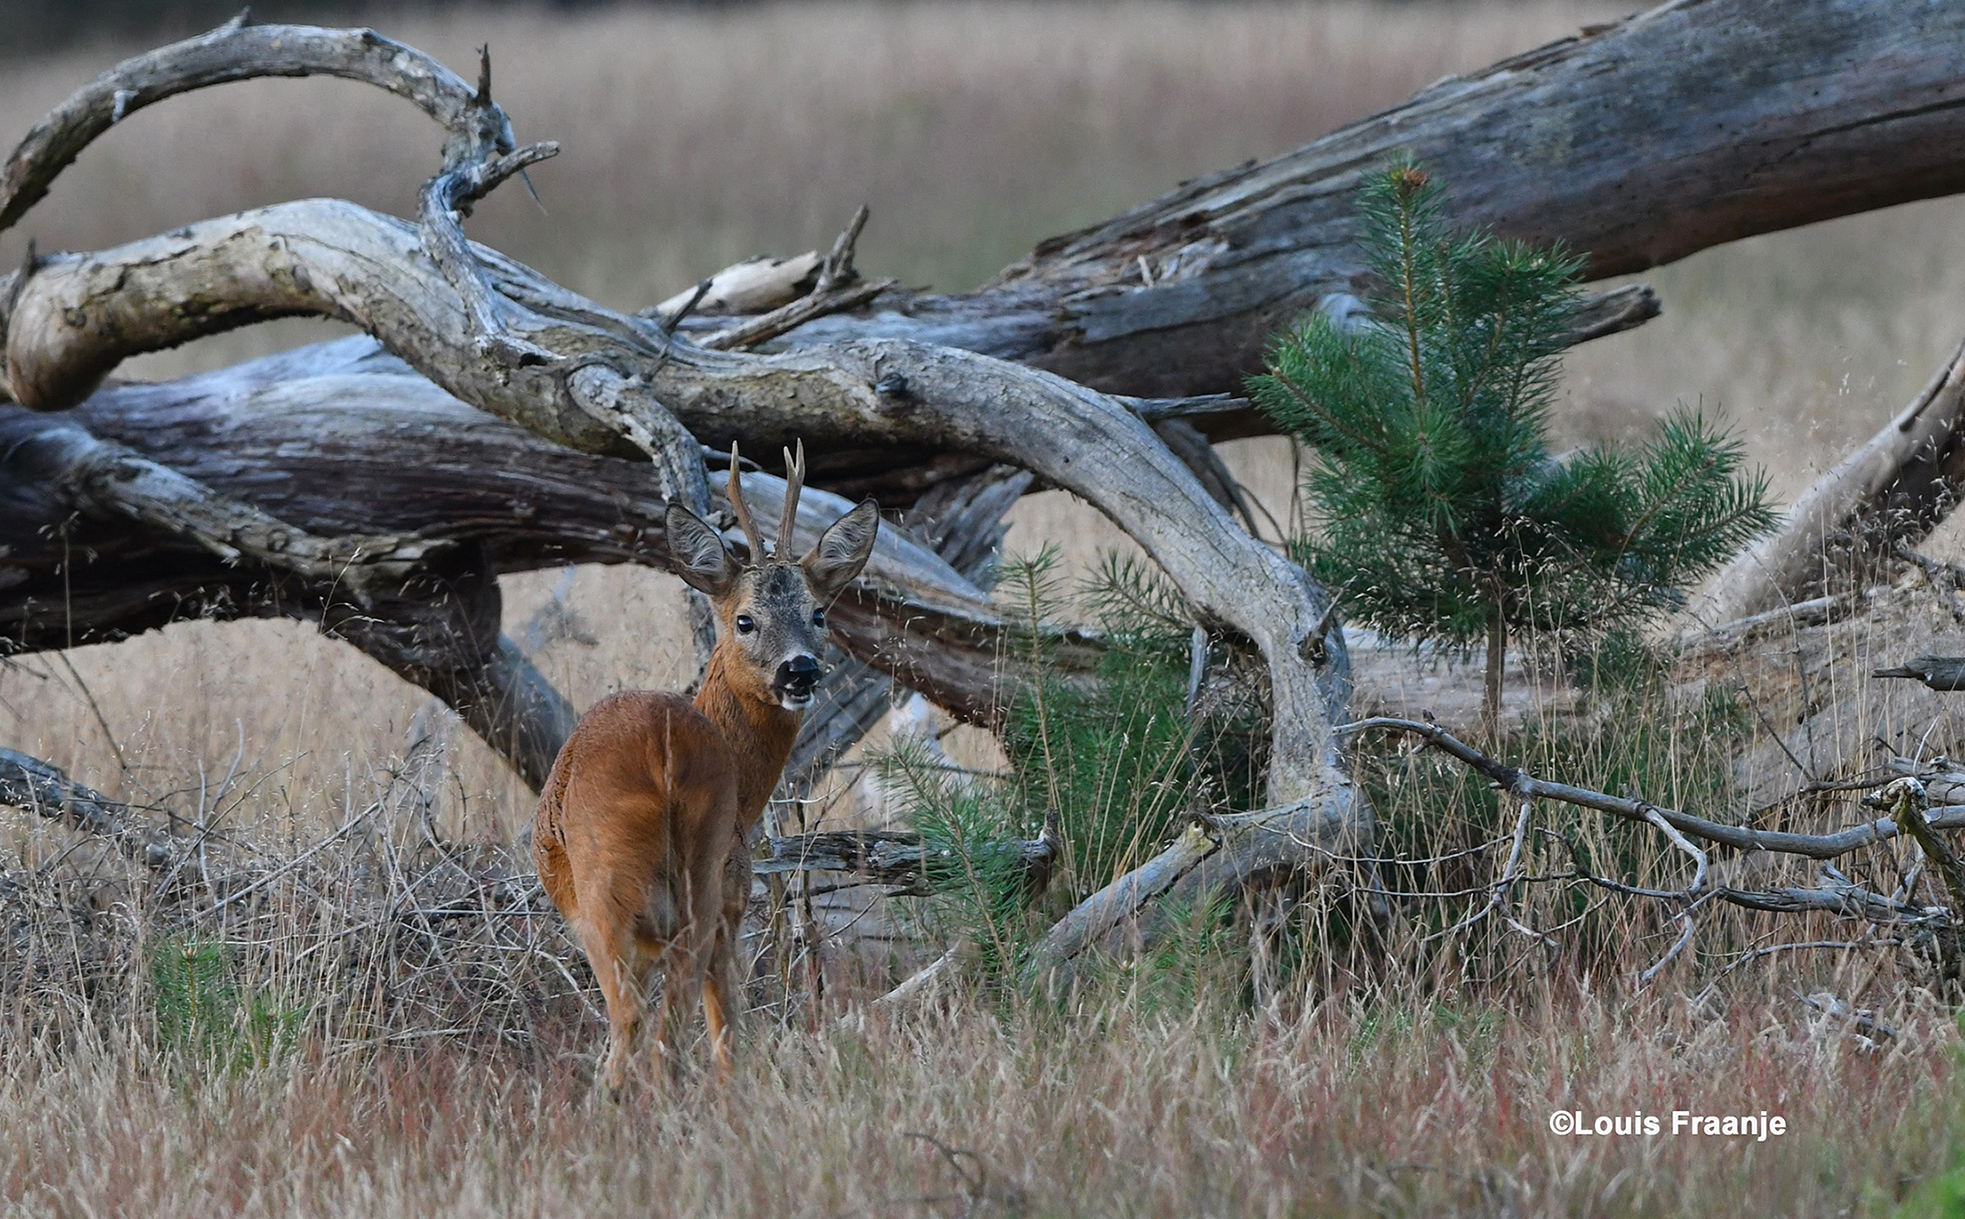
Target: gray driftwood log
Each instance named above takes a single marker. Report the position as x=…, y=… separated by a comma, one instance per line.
x=1887, y=494
x=1220, y=263
x=306, y=451
x=500, y=338
x=1638, y=143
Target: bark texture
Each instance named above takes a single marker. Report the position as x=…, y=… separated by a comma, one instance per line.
x=1681, y=128
x=1890, y=492
x=1848, y=108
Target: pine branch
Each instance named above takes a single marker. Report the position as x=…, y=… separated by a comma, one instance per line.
x=1439, y=511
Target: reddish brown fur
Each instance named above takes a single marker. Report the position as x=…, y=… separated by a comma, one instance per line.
x=654, y=867
x=641, y=834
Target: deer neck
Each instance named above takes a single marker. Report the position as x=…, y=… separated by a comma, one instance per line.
x=759, y=731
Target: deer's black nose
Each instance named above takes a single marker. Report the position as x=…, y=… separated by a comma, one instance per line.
x=799, y=674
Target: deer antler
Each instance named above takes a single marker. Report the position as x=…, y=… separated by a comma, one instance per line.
x=794, y=483
x=743, y=513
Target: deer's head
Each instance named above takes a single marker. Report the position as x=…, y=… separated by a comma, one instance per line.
x=772, y=610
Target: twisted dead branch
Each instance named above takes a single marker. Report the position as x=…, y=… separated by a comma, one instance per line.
x=1743, y=838
x=508, y=342
x=47, y=791
x=1834, y=894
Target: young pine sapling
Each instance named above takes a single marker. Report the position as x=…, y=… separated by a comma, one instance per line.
x=1435, y=510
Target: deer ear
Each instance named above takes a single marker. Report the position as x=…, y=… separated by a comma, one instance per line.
x=842, y=550
x=701, y=558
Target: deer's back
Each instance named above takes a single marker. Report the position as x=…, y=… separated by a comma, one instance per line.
x=644, y=782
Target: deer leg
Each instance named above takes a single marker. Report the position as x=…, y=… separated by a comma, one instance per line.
x=722, y=989
x=682, y=985
x=680, y=981
x=614, y=970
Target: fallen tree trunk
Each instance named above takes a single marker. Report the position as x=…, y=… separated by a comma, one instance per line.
x=313, y=445
x=1893, y=490
x=499, y=337
x=1846, y=106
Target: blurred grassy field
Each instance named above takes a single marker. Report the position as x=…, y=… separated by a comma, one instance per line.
x=693, y=138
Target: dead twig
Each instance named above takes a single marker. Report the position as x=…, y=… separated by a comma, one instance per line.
x=1672, y=954
x=1745, y=838
x=839, y=288
x=1501, y=886
x=1945, y=577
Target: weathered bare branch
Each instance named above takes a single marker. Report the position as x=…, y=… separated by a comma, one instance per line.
x=240, y=51
x=1835, y=898
x=820, y=303
x=1744, y=838
x=446, y=199
x=755, y=285
x=1215, y=855
x=1896, y=487
x=111, y=478
x=32, y=784
x=1674, y=952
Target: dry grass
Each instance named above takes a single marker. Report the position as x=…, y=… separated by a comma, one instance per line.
x=694, y=138
x=1119, y=1109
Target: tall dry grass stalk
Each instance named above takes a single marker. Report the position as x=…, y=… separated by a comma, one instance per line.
x=1136, y=1100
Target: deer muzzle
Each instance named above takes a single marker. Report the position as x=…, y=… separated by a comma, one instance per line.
x=794, y=681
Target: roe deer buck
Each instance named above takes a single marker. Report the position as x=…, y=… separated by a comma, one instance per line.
x=642, y=830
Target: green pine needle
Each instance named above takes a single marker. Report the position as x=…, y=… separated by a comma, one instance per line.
x=1434, y=505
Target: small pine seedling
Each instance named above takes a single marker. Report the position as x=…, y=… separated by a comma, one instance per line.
x=1436, y=512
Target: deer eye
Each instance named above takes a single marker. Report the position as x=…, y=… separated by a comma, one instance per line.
x=745, y=624
x=818, y=617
